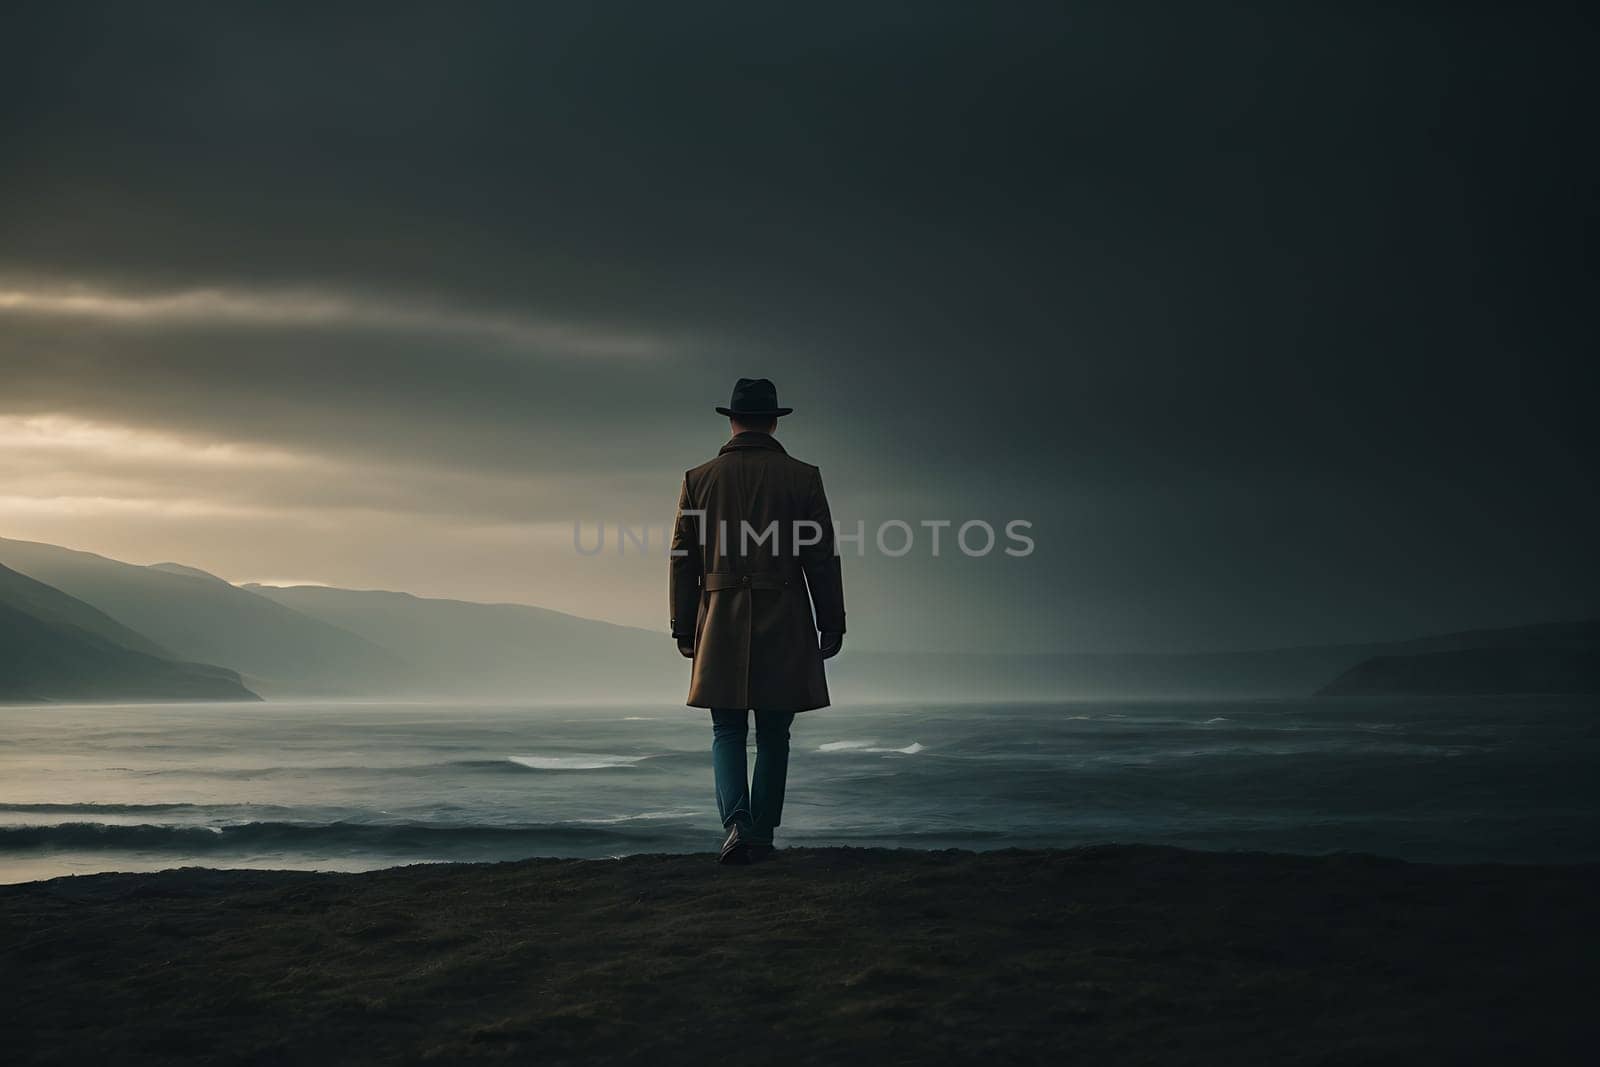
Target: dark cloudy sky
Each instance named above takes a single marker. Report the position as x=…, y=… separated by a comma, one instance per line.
x=1275, y=320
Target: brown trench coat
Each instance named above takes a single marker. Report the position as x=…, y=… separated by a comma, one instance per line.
x=740, y=574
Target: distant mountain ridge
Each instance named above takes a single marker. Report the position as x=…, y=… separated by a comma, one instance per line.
x=1473, y=671
x=51, y=605
x=1546, y=658
x=201, y=617
x=54, y=647
x=1254, y=674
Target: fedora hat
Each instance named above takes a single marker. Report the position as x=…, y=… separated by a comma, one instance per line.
x=756, y=397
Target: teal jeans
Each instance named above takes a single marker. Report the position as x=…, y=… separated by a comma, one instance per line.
x=756, y=806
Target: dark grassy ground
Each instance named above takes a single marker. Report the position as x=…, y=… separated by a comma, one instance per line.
x=1110, y=955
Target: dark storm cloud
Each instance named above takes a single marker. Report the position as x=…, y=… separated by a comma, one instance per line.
x=1245, y=307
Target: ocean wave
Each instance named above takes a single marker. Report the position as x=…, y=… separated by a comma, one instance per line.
x=576, y=761
x=501, y=765
x=616, y=718
x=326, y=838
x=104, y=809
x=869, y=746
x=301, y=769
x=643, y=816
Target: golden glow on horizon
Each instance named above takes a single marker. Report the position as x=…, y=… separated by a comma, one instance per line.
x=70, y=436
x=68, y=466
x=65, y=506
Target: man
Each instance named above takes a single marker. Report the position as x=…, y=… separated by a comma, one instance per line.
x=753, y=535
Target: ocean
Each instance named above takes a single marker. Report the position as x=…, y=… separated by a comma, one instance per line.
x=357, y=786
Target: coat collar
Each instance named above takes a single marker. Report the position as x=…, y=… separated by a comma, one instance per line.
x=751, y=439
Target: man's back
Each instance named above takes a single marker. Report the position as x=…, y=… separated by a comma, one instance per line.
x=753, y=535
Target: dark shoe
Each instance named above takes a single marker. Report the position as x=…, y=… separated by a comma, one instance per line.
x=735, y=849
x=761, y=853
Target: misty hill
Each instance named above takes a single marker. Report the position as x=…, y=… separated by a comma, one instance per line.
x=54, y=647
x=497, y=651
x=192, y=572
x=51, y=605
x=1551, y=658
x=1583, y=633
x=1472, y=671
x=1262, y=673
x=198, y=616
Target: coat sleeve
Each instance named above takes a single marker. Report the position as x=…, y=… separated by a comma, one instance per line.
x=683, y=582
x=821, y=564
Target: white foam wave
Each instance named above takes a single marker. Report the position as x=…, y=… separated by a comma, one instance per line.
x=577, y=761
x=869, y=746
x=1219, y=718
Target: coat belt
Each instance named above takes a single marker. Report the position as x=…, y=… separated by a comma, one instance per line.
x=763, y=580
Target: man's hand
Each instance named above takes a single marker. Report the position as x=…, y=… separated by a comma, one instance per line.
x=830, y=644
x=686, y=647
